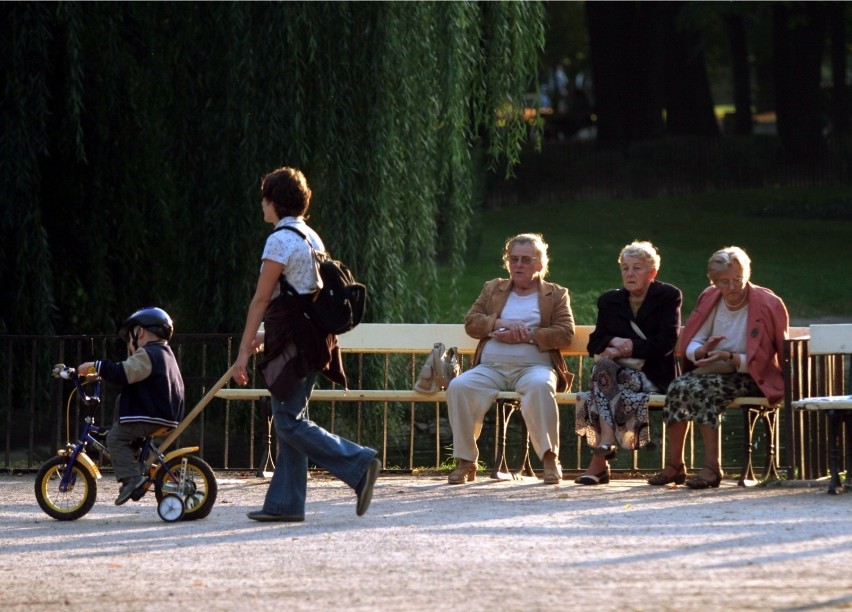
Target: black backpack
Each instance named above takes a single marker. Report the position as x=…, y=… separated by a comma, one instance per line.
x=339, y=305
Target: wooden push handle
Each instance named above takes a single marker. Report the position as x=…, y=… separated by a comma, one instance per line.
x=188, y=419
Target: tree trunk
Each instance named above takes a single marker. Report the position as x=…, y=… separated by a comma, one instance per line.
x=839, y=89
x=689, y=101
x=642, y=64
x=740, y=73
x=799, y=40
x=626, y=75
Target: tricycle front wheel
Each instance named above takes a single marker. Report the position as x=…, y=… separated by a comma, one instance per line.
x=67, y=505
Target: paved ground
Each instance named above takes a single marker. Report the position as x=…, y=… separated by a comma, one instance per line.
x=427, y=546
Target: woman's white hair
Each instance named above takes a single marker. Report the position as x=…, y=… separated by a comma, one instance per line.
x=641, y=249
x=537, y=243
x=724, y=258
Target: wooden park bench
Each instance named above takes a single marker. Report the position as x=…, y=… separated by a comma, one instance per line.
x=416, y=341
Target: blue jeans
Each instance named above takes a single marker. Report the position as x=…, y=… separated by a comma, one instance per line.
x=300, y=439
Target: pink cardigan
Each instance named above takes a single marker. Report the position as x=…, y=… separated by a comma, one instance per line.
x=767, y=329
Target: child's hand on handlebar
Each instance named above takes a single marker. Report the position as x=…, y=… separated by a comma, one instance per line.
x=87, y=369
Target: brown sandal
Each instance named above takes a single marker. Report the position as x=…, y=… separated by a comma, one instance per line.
x=553, y=475
x=662, y=478
x=464, y=472
x=699, y=482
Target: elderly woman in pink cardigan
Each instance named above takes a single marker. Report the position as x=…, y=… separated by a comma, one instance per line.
x=733, y=345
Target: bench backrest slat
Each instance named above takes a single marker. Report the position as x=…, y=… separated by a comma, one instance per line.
x=835, y=339
x=419, y=338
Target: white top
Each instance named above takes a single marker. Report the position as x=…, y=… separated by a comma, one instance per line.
x=726, y=323
x=524, y=308
x=291, y=251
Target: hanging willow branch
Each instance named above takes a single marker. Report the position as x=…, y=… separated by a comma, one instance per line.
x=139, y=132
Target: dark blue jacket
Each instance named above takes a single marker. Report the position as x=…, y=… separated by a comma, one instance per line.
x=152, y=385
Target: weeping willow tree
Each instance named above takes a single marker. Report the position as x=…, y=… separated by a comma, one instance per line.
x=135, y=135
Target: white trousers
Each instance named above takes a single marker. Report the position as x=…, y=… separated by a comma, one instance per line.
x=471, y=394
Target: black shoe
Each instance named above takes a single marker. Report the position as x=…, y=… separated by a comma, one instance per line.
x=128, y=488
x=139, y=493
x=365, y=489
x=266, y=517
x=606, y=450
x=600, y=478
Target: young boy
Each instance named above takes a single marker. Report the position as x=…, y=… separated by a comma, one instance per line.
x=152, y=394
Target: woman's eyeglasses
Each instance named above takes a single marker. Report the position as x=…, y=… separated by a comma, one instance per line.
x=524, y=259
x=737, y=282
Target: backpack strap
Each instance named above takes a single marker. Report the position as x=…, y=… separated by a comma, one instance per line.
x=285, y=286
x=295, y=231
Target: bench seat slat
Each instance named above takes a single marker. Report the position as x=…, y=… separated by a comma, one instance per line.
x=391, y=395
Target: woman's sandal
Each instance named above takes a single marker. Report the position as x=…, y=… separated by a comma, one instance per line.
x=607, y=451
x=465, y=472
x=699, y=482
x=552, y=475
x=662, y=478
x=601, y=478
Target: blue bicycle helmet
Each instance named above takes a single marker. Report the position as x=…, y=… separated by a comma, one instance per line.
x=151, y=318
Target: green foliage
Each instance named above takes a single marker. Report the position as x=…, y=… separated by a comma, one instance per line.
x=797, y=239
x=135, y=135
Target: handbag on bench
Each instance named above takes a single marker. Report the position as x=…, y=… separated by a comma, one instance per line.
x=440, y=368
x=634, y=363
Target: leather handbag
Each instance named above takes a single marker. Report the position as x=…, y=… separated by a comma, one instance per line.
x=717, y=367
x=440, y=368
x=634, y=363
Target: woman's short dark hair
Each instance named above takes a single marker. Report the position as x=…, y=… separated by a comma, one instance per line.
x=288, y=192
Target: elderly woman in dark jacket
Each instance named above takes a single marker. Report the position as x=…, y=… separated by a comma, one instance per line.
x=633, y=342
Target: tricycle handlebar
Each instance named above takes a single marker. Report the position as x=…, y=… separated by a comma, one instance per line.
x=64, y=372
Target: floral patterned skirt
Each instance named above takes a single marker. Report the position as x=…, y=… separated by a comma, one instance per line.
x=703, y=397
x=618, y=396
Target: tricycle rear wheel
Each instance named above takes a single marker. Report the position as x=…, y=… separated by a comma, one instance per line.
x=200, y=488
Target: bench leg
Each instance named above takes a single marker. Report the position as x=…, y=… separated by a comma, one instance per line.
x=504, y=413
x=835, y=432
x=847, y=421
x=505, y=410
x=847, y=415
x=526, y=466
x=751, y=417
x=268, y=467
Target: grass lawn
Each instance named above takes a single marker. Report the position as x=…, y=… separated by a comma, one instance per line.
x=799, y=240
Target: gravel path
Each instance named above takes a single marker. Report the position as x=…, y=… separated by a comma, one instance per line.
x=426, y=546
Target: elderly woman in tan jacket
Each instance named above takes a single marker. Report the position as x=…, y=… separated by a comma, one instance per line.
x=521, y=323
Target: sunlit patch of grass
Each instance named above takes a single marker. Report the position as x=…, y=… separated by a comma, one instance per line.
x=797, y=252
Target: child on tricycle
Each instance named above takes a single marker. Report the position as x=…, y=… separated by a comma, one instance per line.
x=151, y=404
x=152, y=395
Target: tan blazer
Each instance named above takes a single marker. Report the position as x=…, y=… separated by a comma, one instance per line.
x=557, y=322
